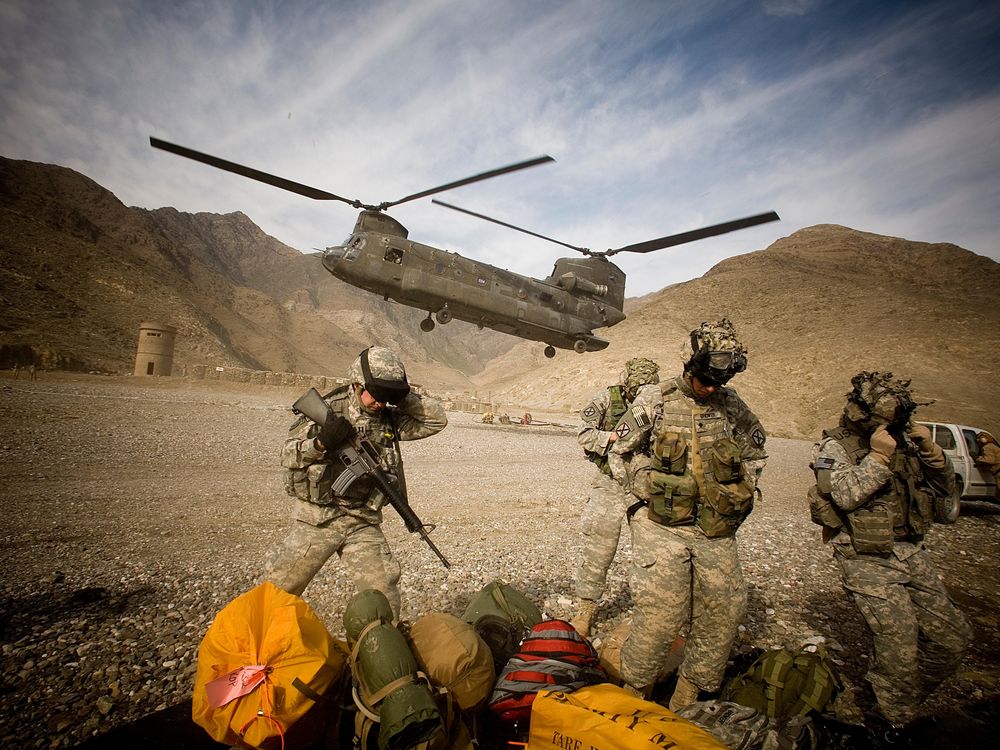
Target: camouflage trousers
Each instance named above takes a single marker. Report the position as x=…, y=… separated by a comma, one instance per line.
x=601, y=525
x=362, y=548
x=920, y=635
x=681, y=577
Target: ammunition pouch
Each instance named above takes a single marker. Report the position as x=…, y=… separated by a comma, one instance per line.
x=725, y=506
x=871, y=528
x=672, y=498
x=724, y=460
x=297, y=484
x=670, y=450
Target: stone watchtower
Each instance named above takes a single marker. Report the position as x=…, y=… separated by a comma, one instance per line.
x=155, y=354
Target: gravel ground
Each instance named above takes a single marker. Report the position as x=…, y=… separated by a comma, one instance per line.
x=134, y=510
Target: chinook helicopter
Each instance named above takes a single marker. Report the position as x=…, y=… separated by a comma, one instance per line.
x=561, y=310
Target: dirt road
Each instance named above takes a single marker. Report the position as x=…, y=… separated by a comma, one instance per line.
x=133, y=510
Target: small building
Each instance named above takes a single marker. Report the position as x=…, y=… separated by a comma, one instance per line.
x=155, y=355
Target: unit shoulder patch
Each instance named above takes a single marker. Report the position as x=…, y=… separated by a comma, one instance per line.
x=758, y=436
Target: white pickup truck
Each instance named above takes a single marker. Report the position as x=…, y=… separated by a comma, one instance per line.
x=958, y=441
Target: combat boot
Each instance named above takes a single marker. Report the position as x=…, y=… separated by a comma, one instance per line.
x=611, y=651
x=685, y=693
x=584, y=617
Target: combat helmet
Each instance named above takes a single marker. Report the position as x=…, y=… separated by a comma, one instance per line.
x=713, y=353
x=382, y=373
x=984, y=437
x=638, y=372
x=877, y=398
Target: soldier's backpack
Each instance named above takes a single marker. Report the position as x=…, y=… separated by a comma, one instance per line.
x=553, y=656
x=783, y=683
x=502, y=616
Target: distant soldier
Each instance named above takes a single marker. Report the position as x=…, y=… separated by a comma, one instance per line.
x=505, y=419
x=876, y=478
x=31, y=371
x=708, y=454
x=989, y=458
x=17, y=371
x=608, y=500
x=526, y=419
x=488, y=418
x=379, y=405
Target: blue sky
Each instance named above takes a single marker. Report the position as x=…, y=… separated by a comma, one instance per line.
x=662, y=116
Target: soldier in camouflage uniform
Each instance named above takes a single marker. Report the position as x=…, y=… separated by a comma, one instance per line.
x=989, y=458
x=608, y=500
x=379, y=405
x=876, y=478
x=707, y=454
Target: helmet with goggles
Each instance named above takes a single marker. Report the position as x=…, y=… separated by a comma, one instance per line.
x=877, y=398
x=382, y=374
x=713, y=353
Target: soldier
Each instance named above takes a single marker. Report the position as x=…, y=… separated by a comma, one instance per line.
x=31, y=372
x=488, y=418
x=608, y=501
x=876, y=477
x=378, y=404
x=708, y=453
x=989, y=458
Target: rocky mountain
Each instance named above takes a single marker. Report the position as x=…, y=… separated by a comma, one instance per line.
x=80, y=271
x=814, y=309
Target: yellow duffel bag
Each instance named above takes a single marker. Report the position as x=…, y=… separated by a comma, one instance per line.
x=607, y=717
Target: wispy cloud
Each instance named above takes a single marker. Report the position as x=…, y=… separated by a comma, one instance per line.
x=662, y=116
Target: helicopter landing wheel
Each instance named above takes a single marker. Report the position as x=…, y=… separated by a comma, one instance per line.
x=443, y=315
x=580, y=346
x=550, y=351
x=427, y=324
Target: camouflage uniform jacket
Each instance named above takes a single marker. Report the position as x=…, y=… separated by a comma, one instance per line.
x=989, y=458
x=856, y=483
x=311, y=472
x=599, y=419
x=724, y=405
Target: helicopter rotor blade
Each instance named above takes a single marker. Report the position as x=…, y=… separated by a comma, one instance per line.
x=253, y=174
x=476, y=178
x=583, y=250
x=695, y=234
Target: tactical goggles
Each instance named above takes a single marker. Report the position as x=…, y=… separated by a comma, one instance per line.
x=384, y=391
x=717, y=368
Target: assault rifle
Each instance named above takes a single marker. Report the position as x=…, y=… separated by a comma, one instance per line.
x=361, y=459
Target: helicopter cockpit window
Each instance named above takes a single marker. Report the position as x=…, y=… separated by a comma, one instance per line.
x=393, y=255
x=349, y=250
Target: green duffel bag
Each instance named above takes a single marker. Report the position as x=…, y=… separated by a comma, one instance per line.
x=388, y=686
x=502, y=616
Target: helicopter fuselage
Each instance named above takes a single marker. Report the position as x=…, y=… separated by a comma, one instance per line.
x=562, y=310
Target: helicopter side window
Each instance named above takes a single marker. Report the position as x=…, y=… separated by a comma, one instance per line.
x=393, y=255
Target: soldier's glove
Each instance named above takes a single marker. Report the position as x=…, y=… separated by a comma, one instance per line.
x=919, y=434
x=929, y=451
x=335, y=431
x=883, y=445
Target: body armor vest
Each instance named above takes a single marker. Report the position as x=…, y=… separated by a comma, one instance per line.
x=314, y=482
x=901, y=510
x=698, y=475
x=616, y=408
